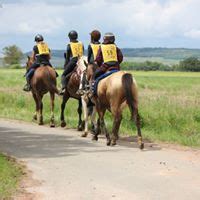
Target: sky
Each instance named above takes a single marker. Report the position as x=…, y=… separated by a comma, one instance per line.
x=135, y=23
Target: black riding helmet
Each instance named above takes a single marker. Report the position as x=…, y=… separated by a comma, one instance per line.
x=109, y=38
x=73, y=35
x=39, y=38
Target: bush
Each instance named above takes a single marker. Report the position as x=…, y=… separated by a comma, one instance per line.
x=15, y=66
x=146, y=66
x=189, y=64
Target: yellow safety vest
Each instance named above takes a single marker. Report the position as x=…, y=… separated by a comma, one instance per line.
x=43, y=48
x=76, y=48
x=109, y=52
x=95, y=48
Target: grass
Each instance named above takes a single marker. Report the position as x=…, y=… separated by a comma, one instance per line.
x=10, y=174
x=169, y=105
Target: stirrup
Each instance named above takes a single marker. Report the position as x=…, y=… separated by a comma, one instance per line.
x=62, y=91
x=27, y=88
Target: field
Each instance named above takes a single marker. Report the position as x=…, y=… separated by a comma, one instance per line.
x=169, y=105
x=10, y=174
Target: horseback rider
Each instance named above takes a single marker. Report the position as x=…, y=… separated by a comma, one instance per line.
x=41, y=55
x=74, y=50
x=93, y=48
x=109, y=56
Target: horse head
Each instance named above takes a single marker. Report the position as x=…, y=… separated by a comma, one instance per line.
x=29, y=62
x=81, y=64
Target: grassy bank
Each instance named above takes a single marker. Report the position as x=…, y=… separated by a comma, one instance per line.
x=169, y=105
x=10, y=174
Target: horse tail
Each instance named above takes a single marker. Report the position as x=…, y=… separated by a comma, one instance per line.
x=131, y=95
x=51, y=82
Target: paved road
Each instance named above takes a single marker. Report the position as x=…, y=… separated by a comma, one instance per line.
x=69, y=167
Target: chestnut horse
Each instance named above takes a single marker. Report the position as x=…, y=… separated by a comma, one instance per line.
x=43, y=81
x=70, y=91
x=114, y=93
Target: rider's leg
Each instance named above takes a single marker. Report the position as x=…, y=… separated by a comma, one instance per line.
x=69, y=68
x=29, y=75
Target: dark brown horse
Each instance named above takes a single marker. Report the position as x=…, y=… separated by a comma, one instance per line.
x=70, y=92
x=43, y=81
x=114, y=93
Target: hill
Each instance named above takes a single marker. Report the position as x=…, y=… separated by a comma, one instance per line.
x=167, y=53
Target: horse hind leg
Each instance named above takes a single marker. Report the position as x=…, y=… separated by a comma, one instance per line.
x=36, y=107
x=79, y=110
x=40, y=116
x=62, y=117
x=52, y=122
x=115, y=128
x=136, y=118
x=85, y=112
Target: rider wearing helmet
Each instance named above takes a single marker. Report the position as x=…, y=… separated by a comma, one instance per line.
x=40, y=55
x=74, y=50
x=93, y=47
x=109, y=56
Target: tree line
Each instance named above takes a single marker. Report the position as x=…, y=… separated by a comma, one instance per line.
x=13, y=56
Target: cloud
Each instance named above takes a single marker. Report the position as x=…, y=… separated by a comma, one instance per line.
x=135, y=23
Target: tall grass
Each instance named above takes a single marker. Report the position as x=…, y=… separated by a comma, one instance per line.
x=169, y=105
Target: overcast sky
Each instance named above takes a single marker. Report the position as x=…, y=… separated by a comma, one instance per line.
x=136, y=23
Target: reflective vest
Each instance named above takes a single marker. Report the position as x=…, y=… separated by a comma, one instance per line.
x=43, y=49
x=76, y=48
x=109, y=52
x=95, y=48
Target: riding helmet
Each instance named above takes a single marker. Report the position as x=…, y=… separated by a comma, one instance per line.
x=95, y=35
x=109, y=37
x=73, y=35
x=39, y=38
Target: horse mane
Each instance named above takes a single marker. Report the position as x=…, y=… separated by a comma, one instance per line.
x=81, y=64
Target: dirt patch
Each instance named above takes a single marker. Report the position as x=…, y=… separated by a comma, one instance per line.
x=27, y=182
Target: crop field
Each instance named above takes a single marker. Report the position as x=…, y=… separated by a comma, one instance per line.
x=169, y=105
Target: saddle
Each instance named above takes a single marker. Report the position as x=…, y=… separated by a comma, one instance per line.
x=108, y=73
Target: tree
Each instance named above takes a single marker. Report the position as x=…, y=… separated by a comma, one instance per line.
x=12, y=55
x=190, y=64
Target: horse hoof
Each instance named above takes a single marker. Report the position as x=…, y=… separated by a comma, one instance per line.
x=40, y=123
x=79, y=128
x=113, y=143
x=52, y=125
x=142, y=146
x=95, y=138
x=84, y=134
x=108, y=142
x=63, y=124
x=34, y=117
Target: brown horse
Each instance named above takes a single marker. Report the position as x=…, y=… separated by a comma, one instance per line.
x=70, y=92
x=114, y=93
x=43, y=81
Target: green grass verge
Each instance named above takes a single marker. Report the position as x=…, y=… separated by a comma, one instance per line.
x=169, y=104
x=10, y=175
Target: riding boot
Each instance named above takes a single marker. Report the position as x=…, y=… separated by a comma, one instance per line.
x=27, y=86
x=64, y=84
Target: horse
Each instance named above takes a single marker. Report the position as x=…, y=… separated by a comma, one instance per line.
x=114, y=93
x=43, y=81
x=70, y=91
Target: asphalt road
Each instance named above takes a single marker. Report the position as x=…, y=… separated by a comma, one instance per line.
x=68, y=167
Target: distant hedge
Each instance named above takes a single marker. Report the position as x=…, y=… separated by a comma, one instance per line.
x=188, y=64
x=146, y=66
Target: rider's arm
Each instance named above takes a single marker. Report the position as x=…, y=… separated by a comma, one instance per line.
x=119, y=55
x=89, y=53
x=49, y=54
x=33, y=55
x=68, y=54
x=99, y=58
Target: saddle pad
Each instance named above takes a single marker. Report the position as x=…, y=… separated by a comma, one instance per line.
x=102, y=77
